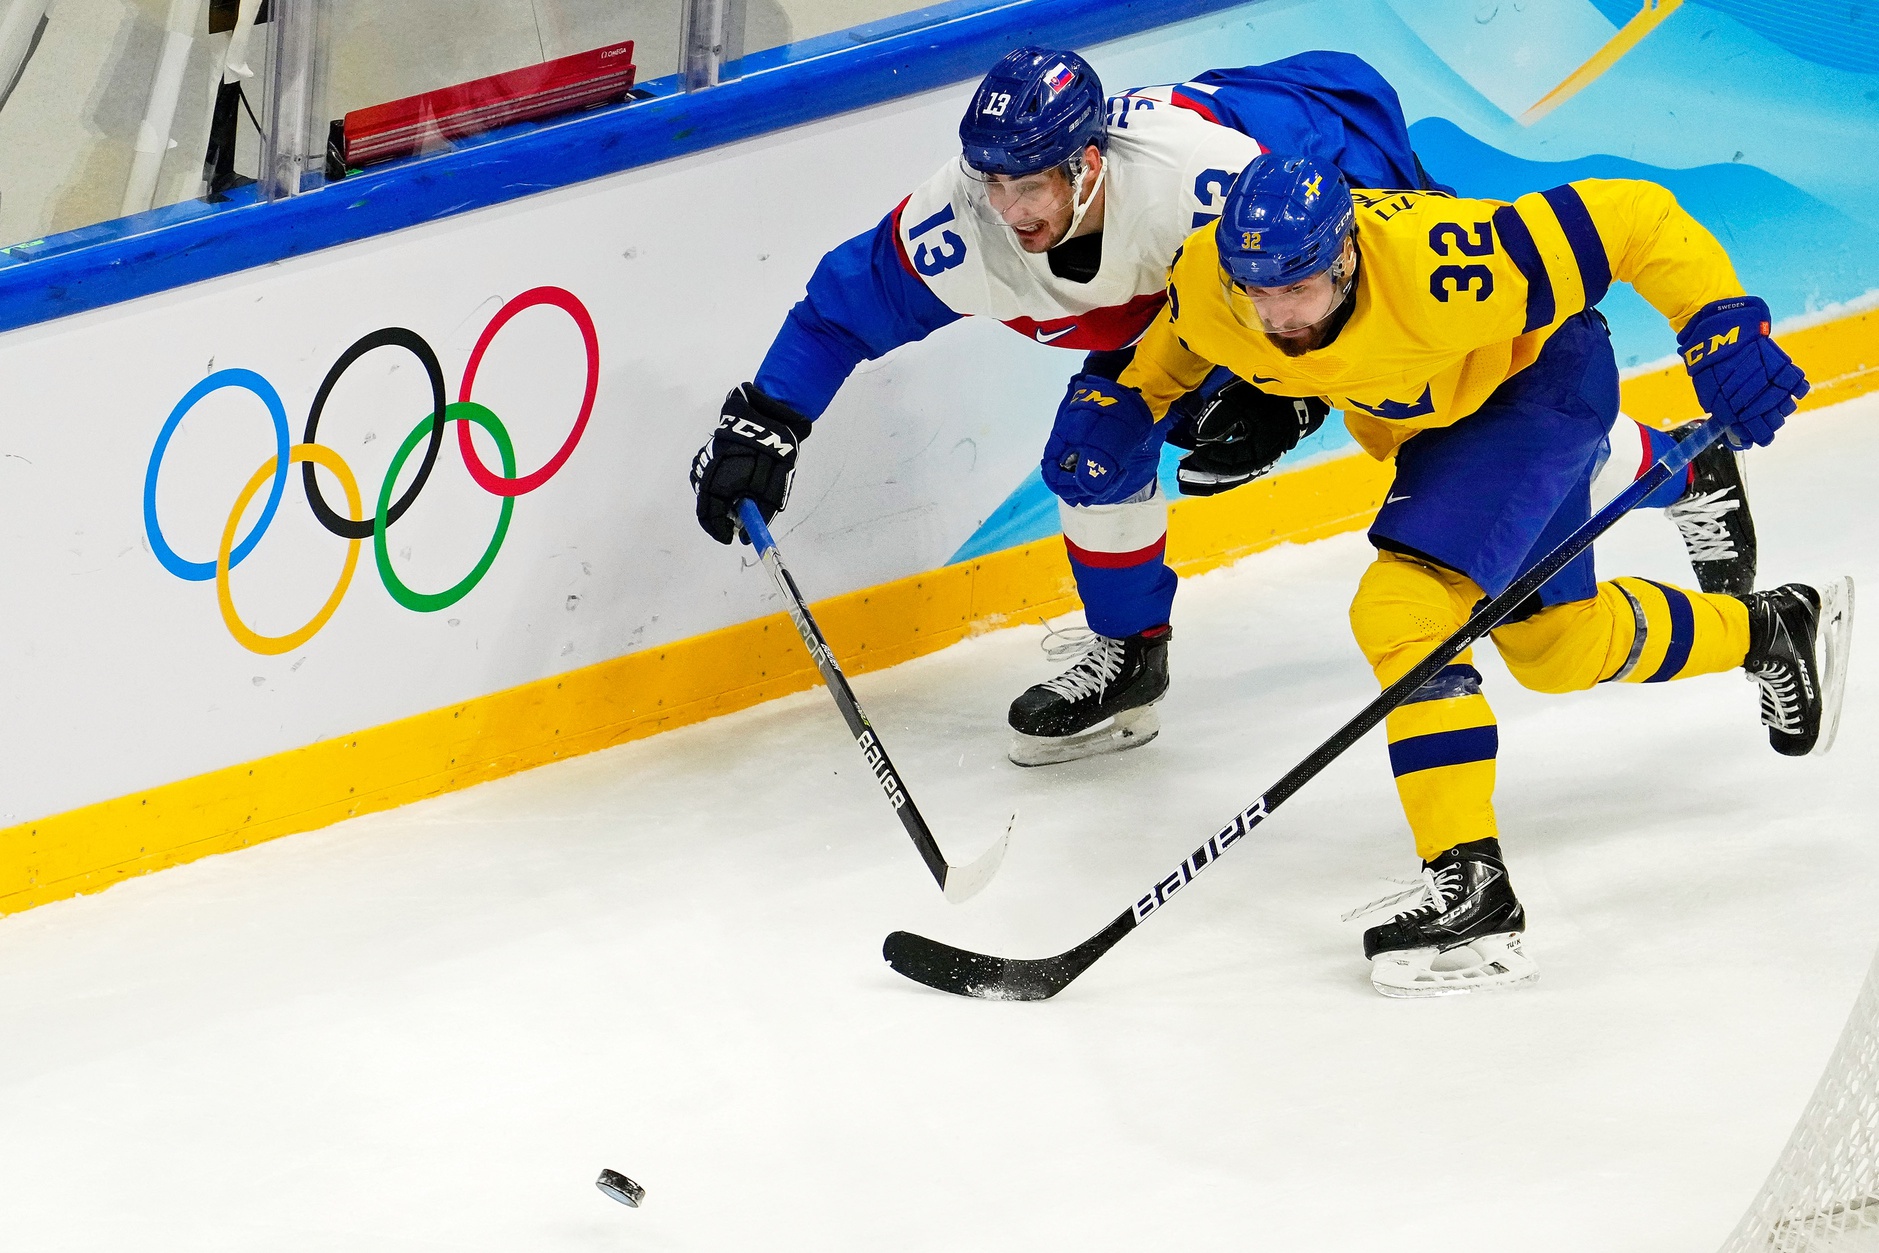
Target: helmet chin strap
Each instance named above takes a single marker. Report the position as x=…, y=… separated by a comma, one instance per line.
x=1081, y=206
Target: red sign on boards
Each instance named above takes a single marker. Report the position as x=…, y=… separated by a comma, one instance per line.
x=402, y=127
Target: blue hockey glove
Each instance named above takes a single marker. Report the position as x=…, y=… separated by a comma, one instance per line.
x=1105, y=445
x=1740, y=375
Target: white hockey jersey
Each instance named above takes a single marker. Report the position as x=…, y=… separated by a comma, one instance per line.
x=1173, y=154
x=1169, y=169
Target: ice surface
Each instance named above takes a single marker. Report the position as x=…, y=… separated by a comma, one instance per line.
x=430, y=1029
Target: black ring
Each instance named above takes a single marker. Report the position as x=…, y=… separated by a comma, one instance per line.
x=388, y=337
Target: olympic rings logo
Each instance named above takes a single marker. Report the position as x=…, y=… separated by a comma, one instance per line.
x=355, y=525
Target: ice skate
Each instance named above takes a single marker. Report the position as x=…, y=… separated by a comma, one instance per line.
x=1798, y=642
x=1104, y=703
x=1713, y=518
x=1461, y=934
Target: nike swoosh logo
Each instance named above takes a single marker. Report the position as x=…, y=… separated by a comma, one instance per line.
x=1261, y=379
x=1390, y=500
x=1047, y=337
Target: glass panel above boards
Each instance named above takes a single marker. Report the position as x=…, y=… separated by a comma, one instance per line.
x=110, y=108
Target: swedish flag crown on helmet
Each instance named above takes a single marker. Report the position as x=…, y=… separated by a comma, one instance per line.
x=1285, y=220
x=1038, y=108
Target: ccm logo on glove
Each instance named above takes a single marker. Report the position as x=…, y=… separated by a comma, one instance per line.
x=1741, y=375
x=1696, y=352
x=761, y=436
x=751, y=453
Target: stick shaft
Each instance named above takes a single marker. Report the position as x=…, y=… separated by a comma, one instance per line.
x=966, y=973
x=1483, y=620
x=872, y=750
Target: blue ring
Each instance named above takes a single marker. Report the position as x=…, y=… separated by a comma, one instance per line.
x=202, y=571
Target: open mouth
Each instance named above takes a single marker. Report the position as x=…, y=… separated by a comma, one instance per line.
x=1031, y=232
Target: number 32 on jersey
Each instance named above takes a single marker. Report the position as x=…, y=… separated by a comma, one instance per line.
x=1449, y=280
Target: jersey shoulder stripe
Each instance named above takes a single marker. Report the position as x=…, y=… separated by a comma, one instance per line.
x=1571, y=272
x=1193, y=97
x=1518, y=240
x=900, y=246
x=1588, y=250
x=1184, y=97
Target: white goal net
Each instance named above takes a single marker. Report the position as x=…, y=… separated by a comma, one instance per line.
x=1823, y=1194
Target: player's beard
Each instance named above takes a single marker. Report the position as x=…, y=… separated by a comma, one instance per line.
x=1312, y=338
x=1318, y=334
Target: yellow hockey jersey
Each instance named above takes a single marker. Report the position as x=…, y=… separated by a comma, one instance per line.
x=1452, y=298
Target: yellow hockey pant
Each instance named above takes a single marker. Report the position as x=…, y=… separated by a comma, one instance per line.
x=1443, y=740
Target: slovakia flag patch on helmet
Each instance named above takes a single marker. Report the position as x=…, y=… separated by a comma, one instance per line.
x=1060, y=77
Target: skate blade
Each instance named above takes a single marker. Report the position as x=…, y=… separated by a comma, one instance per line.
x=1493, y=961
x=1836, y=641
x=1131, y=728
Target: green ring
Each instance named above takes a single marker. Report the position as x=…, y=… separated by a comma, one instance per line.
x=430, y=602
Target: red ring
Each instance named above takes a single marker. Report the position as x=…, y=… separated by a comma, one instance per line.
x=566, y=301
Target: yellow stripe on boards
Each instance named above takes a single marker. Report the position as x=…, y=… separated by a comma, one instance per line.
x=656, y=689
x=630, y=697
x=1841, y=359
x=1207, y=532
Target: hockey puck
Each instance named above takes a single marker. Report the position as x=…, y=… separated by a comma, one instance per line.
x=620, y=1188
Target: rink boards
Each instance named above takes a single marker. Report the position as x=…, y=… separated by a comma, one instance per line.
x=203, y=659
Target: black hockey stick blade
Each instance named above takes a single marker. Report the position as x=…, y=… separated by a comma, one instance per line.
x=965, y=973
x=957, y=883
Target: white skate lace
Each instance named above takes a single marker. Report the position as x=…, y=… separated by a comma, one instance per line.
x=1433, y=889
x=1781, y=698
x=1098, y=660
x=1699, y=520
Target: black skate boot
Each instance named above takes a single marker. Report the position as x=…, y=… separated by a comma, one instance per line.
x=1114, y=683
x=1798, y=640
x=1462, y=936
x=1713, y=518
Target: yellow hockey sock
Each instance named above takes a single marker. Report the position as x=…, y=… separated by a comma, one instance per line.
x=1443, y=740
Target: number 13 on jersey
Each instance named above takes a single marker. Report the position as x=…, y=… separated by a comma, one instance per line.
x=933, y=261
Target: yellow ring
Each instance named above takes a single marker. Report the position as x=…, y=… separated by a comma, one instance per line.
x=270, y=645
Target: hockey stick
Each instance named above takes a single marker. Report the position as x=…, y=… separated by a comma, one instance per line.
x=965, y=973
x=959, y=883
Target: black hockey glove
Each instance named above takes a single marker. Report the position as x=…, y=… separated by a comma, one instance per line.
x=1238, y=434
x=752, y=453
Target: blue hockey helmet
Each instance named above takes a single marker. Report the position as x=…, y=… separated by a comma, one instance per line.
x=1285, y=220
x=1037, y=109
